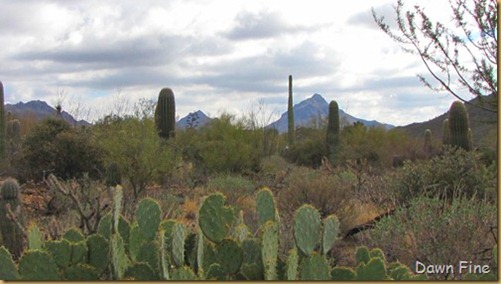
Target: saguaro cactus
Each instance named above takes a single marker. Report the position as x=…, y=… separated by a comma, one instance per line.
x=3, y=138
x=446, y=134
x=165, y=114
x=332, y=137
x=10, y=217
x=290, y=115
x=428, y=148
x=459, y=125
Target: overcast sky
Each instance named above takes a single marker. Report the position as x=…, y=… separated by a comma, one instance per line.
x=216, y=56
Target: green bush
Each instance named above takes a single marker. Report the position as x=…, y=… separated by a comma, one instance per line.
x=438, y=232
x=225, y=146
x=451, y=174
x=134, y=145
x=55, y=147
x=233, y=187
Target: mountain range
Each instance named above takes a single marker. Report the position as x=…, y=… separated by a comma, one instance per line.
x=314, y=111
x=311, y=112
x=40, y=110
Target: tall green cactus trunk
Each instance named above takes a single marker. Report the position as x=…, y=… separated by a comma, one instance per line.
x=3, y=139
x=165, y=114
x=446, y=134
x=459, y=125
x=290, y=115
x=427, y=147
x=332, y=137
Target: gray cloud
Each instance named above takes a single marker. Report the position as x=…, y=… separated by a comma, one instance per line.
x=366, y=19
x=261, y=25
x=268, y=73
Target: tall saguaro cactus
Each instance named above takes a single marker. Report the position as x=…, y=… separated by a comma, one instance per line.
x=165, y=114
x=3, y=134
x=290, y=115
x=446, y=134
x=427, y=146
x=459, y=125
x=332, y=138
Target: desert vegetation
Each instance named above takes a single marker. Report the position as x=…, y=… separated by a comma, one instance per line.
x=131, y=197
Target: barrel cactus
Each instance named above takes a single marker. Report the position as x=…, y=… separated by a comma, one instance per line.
x=165, y=114
x=10, y=217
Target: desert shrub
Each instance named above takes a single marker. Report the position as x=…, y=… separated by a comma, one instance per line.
x=434, y=231
x=225, y=146
x=134, y=145
x=233, y=187
x=451, y=174
x=324, y=191
x=55, y=147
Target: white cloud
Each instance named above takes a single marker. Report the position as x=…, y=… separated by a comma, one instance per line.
x=215, y=55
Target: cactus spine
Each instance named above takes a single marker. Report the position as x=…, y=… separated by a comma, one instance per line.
x=459, y=125
x=290, y=115
x=10, y=217
x=428, y=147
x=165, y=114
x=3, y=139
x=332, y=137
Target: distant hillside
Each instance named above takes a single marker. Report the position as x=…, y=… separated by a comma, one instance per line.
x=40, y=110
x=193, y=119
x=316, y=109
x=482, y=124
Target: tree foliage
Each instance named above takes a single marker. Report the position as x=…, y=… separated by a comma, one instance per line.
x=460, y=57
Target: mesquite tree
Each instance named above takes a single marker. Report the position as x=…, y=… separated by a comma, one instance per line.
x=460, y=56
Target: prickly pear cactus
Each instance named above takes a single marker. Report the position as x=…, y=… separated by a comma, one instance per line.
x=60, y=251
x=140, y=271
x=373, y=270
x=34, y=237
x=307, y=225
x=342, y=274
x=148, y=216
x=362, y=255
x=179, y=234
x=215, y=218
x=183, y=273
x=229, y=255
x=265, y=206
x=73, y=235
x=292, y=265
x=330, y=233
x=8, y=270
x=314, y=267
x=38, y=265
x=269, y=250
x=149, y=253
x=81, y=272
x=119, y=260
x=98, y=249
